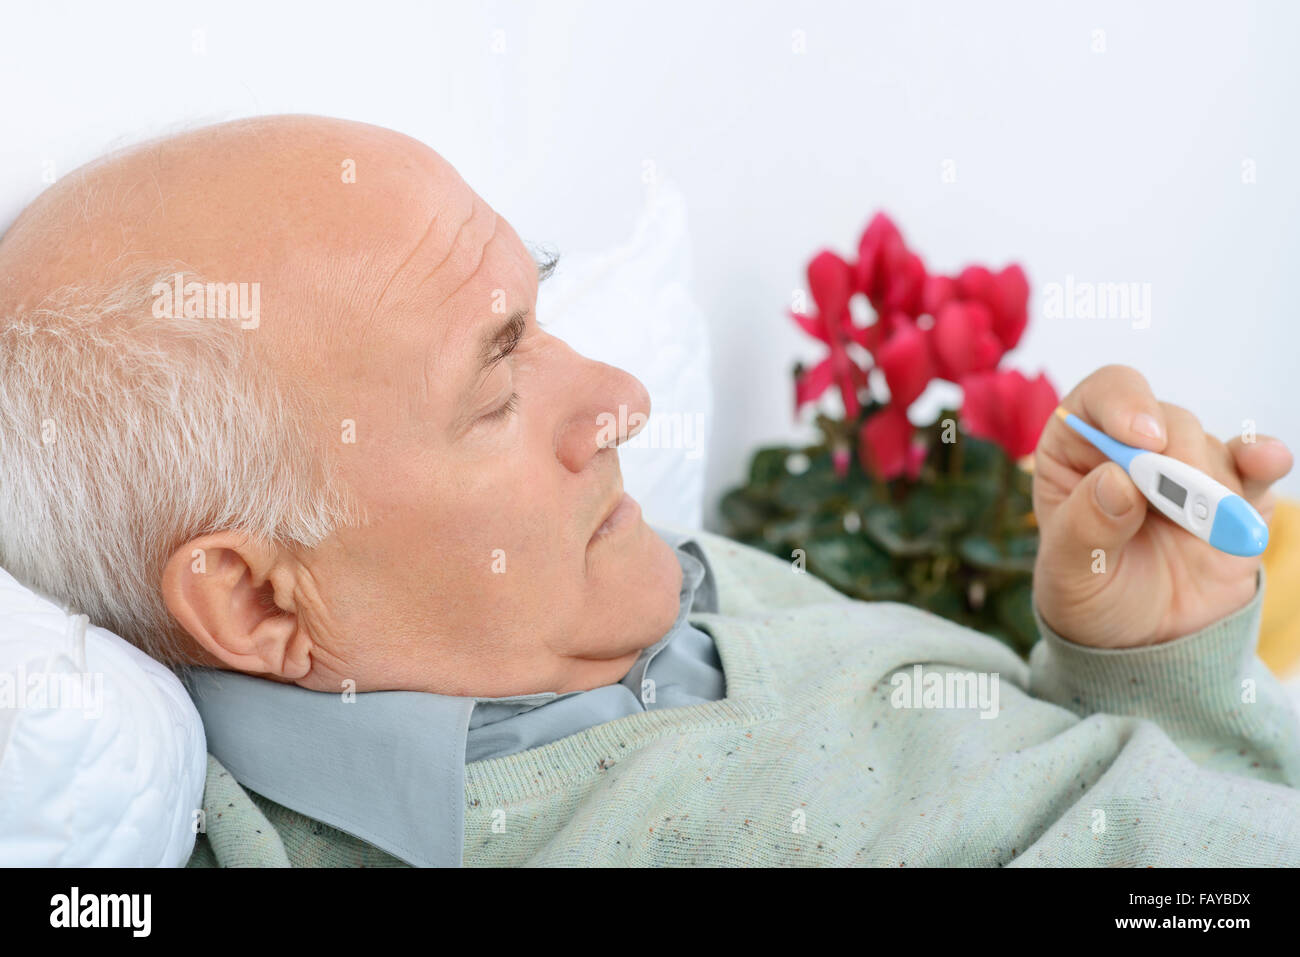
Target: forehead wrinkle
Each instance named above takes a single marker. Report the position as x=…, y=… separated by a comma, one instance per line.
x=428, y=232
x=451, y=330
x=446, y=342
x=448, y=200
x=482, y=257
x=413, y=296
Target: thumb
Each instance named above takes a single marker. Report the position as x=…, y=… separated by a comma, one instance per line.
x=1105, y=510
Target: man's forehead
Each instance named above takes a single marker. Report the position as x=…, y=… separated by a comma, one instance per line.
x=459, y=280
x=466, y=283
x=468, y=260
x=417, y=258
x=244, y=200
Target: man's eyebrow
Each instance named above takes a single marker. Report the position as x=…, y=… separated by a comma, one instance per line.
x=500, y=342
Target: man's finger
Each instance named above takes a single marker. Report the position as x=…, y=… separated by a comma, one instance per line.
x=1103, y=511
x=1118, y=400
x=1187, y=441
x=1259, y=463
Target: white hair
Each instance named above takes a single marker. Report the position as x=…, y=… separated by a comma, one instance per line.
x=124, y=435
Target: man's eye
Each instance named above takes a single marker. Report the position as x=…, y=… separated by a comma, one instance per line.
x=507, y=409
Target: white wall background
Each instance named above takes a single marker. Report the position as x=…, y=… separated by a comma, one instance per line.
x=1117, y=166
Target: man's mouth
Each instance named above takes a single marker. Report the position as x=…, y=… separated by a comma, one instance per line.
x=623, y=515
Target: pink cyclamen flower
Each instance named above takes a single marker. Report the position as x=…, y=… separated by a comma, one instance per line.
x=885, y=443
x=1004, y=294
x=891, y=276
x=1006, y=408
x=830, y=280
x=906, y=363
x=962, y=340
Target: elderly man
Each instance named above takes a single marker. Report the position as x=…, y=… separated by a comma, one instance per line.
x=370, y=508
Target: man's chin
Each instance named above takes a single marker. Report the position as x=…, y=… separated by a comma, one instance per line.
x=639, y=581
x=599, y=672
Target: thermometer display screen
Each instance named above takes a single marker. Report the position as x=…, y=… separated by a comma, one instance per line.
x=1172, y=490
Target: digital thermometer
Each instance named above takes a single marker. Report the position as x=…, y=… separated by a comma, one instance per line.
x=1186, y=496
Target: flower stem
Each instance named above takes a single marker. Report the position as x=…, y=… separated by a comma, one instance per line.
x=1004, y=493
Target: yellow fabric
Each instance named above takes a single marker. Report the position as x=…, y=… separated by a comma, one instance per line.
x=1279, y=627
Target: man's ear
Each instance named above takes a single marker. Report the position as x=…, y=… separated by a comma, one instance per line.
x=235, y=597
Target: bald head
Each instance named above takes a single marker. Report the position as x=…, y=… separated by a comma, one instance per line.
x=393, y=476
x=321, y=213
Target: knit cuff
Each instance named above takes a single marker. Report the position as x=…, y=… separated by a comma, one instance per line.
x=1175, y=678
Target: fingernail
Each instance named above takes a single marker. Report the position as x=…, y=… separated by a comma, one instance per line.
x=1145, y=424
x=1111, y=494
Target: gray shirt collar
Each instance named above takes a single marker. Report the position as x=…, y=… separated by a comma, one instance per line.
x=386, y=766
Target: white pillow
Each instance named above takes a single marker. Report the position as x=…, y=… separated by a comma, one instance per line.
x=113, y=775
x=631, y=307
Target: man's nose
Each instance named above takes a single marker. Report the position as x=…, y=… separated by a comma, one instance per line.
x=610, y=407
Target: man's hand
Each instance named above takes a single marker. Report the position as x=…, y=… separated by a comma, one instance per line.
x=1158, y=581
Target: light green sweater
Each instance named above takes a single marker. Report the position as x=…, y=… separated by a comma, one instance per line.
x=1186, y=753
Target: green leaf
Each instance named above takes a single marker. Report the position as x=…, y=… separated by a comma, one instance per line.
x=743, y=515
x=981, y=458
x=769, y=465
x=945, y=507
x=983, y=552
x=792, y=530
x=850, y=563
x=1014, y=609
x=887, y=527
x=946, y=600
